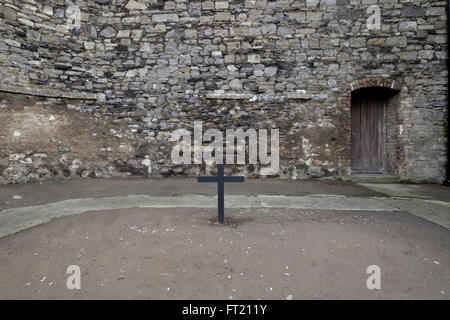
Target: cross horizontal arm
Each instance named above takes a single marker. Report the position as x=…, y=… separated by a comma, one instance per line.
x=233, y=179
x=207, y=179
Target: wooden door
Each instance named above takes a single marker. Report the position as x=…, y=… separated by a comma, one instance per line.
x=367, y=134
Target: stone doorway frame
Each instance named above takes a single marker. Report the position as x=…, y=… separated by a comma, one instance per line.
x=393, y=159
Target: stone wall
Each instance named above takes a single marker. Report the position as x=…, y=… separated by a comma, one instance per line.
x=133, y=71
x=394, y=129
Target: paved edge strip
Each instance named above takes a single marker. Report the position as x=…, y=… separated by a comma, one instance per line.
x=17, y=219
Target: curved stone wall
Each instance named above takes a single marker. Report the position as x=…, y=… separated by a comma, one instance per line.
x=136, y=70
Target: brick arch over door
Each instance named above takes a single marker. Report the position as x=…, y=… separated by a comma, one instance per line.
x=388, y=83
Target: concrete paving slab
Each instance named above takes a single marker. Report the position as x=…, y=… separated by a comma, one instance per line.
x=431, y=210
x=54, y=191
x=420, y=191
x=324, y=203
x=16, y=219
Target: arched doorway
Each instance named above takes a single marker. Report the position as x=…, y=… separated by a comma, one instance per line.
x=368, y=130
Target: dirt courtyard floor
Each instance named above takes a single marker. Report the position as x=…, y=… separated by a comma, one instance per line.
x=260, y=253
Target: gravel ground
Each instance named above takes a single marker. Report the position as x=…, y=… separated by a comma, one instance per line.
x=259, y=254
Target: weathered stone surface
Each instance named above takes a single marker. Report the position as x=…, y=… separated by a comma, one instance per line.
x=254, y=58
x=108, y=32
x=123, y=34
x=229, y=96
x=7, y=12
x=299, y=96
x=236, y=84
x=222, y=16
x=48, y=92
x=135, y=5
x=138, y=69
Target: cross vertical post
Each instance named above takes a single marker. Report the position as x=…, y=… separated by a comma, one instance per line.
x=220, y=179
x=221, y=194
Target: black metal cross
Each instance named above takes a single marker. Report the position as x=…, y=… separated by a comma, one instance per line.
x=220, y=179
